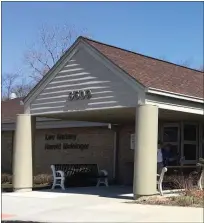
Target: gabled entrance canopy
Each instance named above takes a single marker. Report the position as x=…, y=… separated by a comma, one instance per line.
x=117, y=79
x=84, y=80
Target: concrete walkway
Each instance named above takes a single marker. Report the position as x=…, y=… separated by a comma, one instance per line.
x=111, y=204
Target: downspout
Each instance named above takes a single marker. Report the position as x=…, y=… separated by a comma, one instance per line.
x=116, y=155
x=115, y=151
x=12, y=143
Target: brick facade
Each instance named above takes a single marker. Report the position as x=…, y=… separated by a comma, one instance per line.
x=100, y=150
x=6, y=151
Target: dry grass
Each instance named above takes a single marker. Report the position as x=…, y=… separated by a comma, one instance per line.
x=189, y=197
x=182, y=200
x=189, y=200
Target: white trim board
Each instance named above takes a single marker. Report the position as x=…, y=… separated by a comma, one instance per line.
x=174, y=95
x=55, y=125
x=175, y=107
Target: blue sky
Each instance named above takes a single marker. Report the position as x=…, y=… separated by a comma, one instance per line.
x=173, y=30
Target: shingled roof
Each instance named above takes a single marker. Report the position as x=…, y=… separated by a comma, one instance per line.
x=9, y=110
x=154, y=73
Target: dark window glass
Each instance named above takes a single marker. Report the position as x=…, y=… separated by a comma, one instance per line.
x=174, y=150
x=203, y=132
x=190, y=132
x=203, y=150
x=189, y=152
x=170, y=134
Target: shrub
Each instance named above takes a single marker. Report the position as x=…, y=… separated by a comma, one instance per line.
x=185, y=183
x=6, y=178
x=38, y=179
x=42, y=179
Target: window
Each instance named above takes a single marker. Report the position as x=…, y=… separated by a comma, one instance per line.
x=170, y=135
x=190, y=132
x=190, y=152
x=189, y=143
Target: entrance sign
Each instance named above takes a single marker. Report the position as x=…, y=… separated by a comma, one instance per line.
x=79, y=95
x=63, y=142
x=65, y=146
x=60, y=137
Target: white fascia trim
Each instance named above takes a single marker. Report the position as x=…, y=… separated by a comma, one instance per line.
x=173, y=107
x=56, y=125
x=174, y=95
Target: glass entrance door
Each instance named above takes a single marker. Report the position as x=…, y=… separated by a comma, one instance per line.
x=171, y=135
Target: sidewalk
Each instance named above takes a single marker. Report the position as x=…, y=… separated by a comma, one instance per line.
x=85, y=207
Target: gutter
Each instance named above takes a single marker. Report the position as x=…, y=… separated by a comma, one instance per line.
x=174, y=95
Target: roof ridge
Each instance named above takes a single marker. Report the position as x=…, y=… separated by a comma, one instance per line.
x=129, y=51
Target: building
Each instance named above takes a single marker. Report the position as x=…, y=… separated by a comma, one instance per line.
x=139, y=98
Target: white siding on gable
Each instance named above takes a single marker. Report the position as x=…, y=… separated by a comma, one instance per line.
x=83, y=72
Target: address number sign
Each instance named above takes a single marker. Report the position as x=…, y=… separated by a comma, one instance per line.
x=79, y=95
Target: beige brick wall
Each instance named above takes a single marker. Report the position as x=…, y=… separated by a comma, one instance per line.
x=6, y=152
x=100, y=151
x=126, y=155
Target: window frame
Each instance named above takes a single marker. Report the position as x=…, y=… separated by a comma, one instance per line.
x=189, y=142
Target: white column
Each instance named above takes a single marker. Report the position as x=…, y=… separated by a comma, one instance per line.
x=22, y=154
x=145, y=158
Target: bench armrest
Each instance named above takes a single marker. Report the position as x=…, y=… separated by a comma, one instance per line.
x=161, y=176
x=103, y=172
x=60, y=172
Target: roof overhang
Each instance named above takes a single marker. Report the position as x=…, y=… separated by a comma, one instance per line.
x=164, y=99
x=174, y=95
x=174, y=102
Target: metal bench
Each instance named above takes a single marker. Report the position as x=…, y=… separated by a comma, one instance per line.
x=83, y=174
x=160, y=178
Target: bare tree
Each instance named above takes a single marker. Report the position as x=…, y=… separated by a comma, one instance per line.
x=22, y=89
x=51, y=45
x=201, y=68
x=14, y=83
x=185, y=63
x=8, y=83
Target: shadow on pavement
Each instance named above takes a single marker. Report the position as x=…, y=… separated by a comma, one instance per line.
x=119, y=192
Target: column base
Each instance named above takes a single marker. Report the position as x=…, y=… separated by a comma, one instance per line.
x=136, y=196
x=16, y=190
